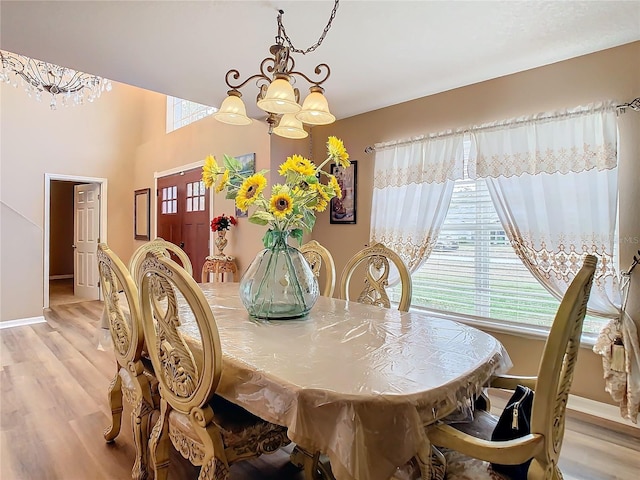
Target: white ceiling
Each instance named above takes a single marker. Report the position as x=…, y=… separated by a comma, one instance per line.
x=380, y=52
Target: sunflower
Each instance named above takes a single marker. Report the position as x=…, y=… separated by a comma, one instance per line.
x=322, y=191
x=223, y=181
x=298, y=164
x=337, y=152
x=250, y=190
x=209, y=171
x=281, y=205
x=321, y=206
x=333, y=183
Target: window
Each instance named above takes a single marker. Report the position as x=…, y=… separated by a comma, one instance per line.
x=169, y=200
x=473, y=270
x=195, y=196
x=181, y=113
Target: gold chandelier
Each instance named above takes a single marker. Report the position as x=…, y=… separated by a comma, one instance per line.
x=276, y=94
x=37, y=77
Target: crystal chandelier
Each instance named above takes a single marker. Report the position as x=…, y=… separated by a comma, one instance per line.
x=276, y=94
x=37, y=77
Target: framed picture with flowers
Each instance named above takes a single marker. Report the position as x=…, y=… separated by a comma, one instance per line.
x=248, y=168
x=343, y=208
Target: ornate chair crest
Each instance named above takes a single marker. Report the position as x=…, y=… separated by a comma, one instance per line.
x=316, y=256
x=376, y=281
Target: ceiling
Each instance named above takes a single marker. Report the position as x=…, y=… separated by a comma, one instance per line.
x=380, y=52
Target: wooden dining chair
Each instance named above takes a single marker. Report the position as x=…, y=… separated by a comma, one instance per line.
x=207, y=430
x=376, y=259
x=318, y=256
x=134, y=379
x=165, y=248
x=470, y=448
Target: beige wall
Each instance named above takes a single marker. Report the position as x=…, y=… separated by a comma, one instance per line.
x=61, y=229
x=94, y=140
x=611, y=74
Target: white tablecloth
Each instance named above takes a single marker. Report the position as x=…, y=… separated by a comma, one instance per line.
x=355, y=382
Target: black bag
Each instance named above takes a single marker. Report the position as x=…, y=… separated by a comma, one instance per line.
x=514, y=422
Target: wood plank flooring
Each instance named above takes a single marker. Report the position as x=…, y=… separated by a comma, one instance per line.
x=53, y=410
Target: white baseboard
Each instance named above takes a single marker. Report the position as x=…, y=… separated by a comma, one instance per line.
x=60, y=277
x=605, y=411
x=21, y=322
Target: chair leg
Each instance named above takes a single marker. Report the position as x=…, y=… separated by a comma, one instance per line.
x=159, y=443
x=431, y=462
x=314, y=467
x=140, y=419
x=215, y=465
x=115, y=403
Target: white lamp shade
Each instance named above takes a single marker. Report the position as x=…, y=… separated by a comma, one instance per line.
x=280, y=98
x=233, y=112
x=290, y=127
x=315, y=110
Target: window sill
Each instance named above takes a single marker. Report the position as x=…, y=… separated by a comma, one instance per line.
x=587, y=340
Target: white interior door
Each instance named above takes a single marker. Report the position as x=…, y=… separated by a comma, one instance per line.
x=86, y=228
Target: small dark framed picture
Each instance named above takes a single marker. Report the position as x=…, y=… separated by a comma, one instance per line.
x=248, y=163
x=343, y=209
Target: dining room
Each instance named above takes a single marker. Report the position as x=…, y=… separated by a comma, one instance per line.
x=364, y=350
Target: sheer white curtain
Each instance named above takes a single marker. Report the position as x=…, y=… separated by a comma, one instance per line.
x=554, y=183
x=413, y=183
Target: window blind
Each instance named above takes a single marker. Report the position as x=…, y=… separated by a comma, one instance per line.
x=474, y=271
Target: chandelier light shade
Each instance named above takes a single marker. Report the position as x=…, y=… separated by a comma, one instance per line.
x=290, y=127
x=315, y=109
x=276, y=95
x=232, y=110
x=280, y=98
x=69, y=86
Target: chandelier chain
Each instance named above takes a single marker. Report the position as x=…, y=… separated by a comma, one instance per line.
x=282, y=31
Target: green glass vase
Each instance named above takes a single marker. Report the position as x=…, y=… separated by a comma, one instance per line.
x=279, y=283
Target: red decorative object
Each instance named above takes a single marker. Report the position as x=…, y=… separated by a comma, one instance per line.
x=223, y=222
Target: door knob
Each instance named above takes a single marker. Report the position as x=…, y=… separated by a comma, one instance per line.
x=73, y=245
x=181, y=244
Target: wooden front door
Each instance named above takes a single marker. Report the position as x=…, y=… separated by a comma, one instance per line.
x=183, y=215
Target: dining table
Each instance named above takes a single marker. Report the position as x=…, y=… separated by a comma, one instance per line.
x=355, y=382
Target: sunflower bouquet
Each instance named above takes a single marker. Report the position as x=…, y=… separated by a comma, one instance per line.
x=293, y=203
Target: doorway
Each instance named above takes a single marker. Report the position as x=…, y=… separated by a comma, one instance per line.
x=182, y=206
x=74, y=222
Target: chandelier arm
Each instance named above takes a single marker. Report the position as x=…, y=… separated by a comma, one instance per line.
x=318, y=71
x=282, y=31
x=235, y=74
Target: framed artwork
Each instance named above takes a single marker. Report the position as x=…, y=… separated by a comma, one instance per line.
x=343, y=209
x=248, y=163
x=141, y=217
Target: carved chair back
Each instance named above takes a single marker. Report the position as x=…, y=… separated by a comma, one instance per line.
x=124, y=319
x=187, y=381
x=316, y=256
x=377, y=267
x=162, y=247
x=555, y=373
x=134, y=379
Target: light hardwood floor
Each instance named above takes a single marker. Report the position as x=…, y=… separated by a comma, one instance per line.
x=53, y=410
